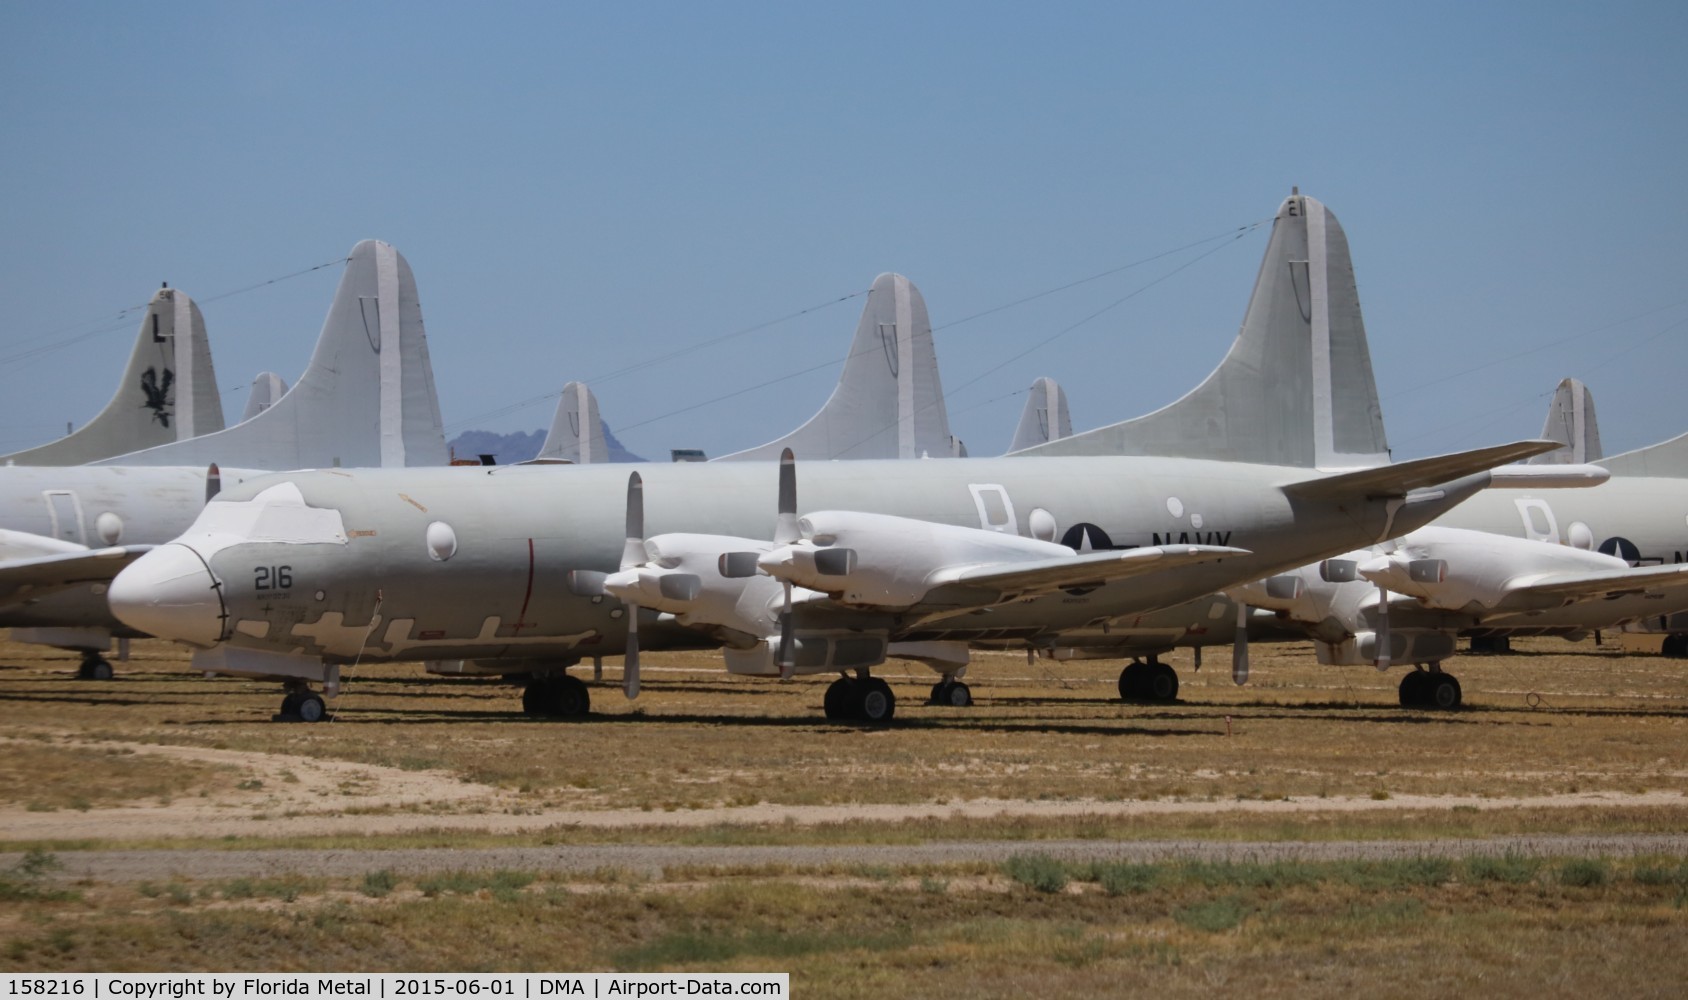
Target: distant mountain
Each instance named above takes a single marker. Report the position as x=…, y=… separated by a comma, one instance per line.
x=508, y=449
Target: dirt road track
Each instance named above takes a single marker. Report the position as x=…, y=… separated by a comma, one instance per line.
x=128, y=866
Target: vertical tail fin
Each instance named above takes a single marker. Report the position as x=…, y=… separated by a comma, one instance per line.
x=1296, y=387
x=577, y=434
x=1570, y=421
x=367, y=398
x=1045, y=417
x=266, y=389
x=168, y=392
x=888, y=402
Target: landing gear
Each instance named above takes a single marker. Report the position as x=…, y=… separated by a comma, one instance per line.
x=556, y=697
x=951, y=693
x=301, y=705
x=1491, y=644
x=1151, y=681
x=1675, y=645
x=862, y=699
x=94, y=667
x=1430, y=689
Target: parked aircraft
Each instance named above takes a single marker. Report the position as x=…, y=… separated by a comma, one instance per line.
x=888, y=402
x=1570, y=421
x=1314, y=306
x=473, y=564
x=367, y=396
x=266, y=389
x=168, y=391
x=1045, y=417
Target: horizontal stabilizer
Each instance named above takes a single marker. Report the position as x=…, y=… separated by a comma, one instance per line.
x=1042, y=576
x=36, y=576
x=1401, y=478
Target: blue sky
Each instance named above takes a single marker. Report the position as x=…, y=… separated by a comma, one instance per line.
x=581, y=188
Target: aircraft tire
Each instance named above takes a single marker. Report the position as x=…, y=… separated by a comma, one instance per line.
x=310, y=708
x=1413, y=689
x=97, y=670
x=877, y=702
x=1675, y=645
x=533, y=699
x=1442, y=692
x=952, y=694
x=1131, y=681
x=840, y=696
x=289, y=706
x=1160, y=682
x=569, y=698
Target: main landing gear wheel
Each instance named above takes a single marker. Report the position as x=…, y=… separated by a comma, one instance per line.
x=1151, y=681
x=302, y=705
x=562, y=697
x=866, y=700
x=1675, y=645
x=1443, y=692
x=877, y=704
x=1430, y=689
x=839, y=695
x=952, y=694
x=94, y=668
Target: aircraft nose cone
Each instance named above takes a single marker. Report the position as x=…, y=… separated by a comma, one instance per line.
x=171, y=594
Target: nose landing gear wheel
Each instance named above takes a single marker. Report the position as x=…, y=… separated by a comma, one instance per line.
x=561, y=697
x=952, y=694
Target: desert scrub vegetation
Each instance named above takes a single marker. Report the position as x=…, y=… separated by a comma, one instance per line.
x=1169, y=928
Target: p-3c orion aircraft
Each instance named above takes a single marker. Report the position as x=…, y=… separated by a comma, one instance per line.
x=367, y=397
x=301, y=573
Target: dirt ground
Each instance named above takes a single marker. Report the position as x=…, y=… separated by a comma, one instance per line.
x=159, y=755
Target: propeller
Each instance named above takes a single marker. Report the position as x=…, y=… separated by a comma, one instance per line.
x=213, y=482
x=1382, y=627
x=633, y=555
x=785, y=533
x=1239, y=647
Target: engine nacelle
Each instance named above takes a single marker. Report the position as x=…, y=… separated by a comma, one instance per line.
x=877, y=560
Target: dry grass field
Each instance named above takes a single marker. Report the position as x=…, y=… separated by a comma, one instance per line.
x=1554, y=739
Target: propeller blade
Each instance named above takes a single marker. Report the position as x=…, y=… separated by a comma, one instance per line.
x=633, y=553
x=1239, y=647
x=787, y=659
x=785, y=526
x=1382, y=628
x=630, y=666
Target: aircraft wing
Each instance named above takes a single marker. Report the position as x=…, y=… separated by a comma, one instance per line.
x=1400, y=478
x=1606, y=583
x=1014, y=580
x=38, y=575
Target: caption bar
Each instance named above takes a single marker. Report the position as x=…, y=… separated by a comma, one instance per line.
x=385, y=985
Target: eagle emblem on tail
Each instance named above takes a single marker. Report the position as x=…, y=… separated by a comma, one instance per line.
x=157, y=392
